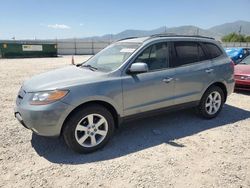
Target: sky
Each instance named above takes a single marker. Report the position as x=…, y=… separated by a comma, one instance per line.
x=50, y=19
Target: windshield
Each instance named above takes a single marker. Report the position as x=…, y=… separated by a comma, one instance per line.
x=246, y=61
x=111, y=57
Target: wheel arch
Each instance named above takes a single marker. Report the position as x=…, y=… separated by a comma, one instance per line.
x=105, y=104
x=220, y=85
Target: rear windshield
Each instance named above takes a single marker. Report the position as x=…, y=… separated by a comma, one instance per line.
x=246, y=61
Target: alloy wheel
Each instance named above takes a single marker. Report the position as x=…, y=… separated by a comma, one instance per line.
x=91, y=130
x=213, y=103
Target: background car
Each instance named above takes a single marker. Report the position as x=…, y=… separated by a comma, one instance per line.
x=237, y=54
x=242, y=75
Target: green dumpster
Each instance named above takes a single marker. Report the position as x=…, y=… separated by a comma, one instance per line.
x=21, y=50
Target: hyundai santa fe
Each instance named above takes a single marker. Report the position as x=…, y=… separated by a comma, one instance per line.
x=130, y=78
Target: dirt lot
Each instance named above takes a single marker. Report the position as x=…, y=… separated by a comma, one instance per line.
x=172, y=150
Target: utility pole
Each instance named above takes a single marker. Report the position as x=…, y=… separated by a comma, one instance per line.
x=75, y=45
x=240, y=30
x=92, y=46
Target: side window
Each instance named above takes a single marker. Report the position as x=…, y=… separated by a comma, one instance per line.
x=144, y=56
x=214, y=51
x=188, y=52
x=155, y=56
x=202, y=55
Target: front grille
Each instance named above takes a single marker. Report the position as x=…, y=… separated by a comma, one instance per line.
x=20, y=96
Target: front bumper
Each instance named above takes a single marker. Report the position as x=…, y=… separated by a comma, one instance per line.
x=44, y=120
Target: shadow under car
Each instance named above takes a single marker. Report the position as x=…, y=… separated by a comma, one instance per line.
x=139, y=135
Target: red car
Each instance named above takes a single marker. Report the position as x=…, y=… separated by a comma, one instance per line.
x=242, y=75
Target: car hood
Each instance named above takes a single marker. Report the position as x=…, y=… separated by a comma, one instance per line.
x=242, y=69
x=61, y=78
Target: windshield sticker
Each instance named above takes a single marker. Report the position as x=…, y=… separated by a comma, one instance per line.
x=127, y=50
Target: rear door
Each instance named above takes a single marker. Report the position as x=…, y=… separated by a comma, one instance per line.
x=193, y=70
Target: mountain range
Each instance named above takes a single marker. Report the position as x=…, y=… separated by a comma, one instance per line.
x=216, y=32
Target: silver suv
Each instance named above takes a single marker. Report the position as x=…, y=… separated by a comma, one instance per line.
x=130, y=78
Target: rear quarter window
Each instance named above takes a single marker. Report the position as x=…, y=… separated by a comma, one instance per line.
x=187, y=52
x=213, y=50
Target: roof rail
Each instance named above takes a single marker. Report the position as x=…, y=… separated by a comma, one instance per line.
x=175, y=35
x=126, y=38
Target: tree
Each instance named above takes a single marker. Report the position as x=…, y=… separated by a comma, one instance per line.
x=248, y=39
x=234, y=37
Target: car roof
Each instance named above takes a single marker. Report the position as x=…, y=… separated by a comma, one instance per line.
x=165, y=36
x=234, y=52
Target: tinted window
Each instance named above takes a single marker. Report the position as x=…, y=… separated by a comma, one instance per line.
x=202, y=55
x=214, y=51
x=156, y=56
x=188, y=52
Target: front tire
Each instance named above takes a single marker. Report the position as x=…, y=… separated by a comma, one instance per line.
x=211, y=102
x=89, y=129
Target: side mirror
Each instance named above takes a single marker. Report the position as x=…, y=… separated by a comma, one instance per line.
x=137, y=68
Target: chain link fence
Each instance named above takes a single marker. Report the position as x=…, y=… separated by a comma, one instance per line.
x=90, y=47
x=80, y=47
x=236, y=44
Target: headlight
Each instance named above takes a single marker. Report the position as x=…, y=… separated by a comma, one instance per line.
x=46, y=97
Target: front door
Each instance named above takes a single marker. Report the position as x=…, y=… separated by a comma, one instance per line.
x=151, y=90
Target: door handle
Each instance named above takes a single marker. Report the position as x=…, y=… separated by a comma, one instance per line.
x=209, y=70
x=167, y=80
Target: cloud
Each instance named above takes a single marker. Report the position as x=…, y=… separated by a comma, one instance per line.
x=81, y=24
x=59, y=26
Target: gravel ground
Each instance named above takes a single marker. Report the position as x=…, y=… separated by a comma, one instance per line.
x=171, y=150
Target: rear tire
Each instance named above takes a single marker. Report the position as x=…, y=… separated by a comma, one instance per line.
x=211, y=102
x=89, y=129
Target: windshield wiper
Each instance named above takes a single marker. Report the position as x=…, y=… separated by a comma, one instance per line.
x=90, y=67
